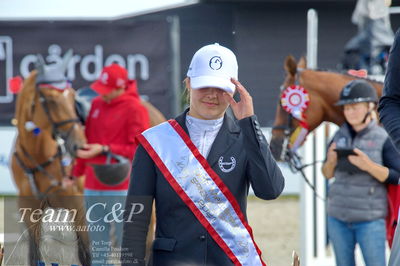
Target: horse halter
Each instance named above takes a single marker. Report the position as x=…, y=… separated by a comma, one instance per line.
x=61, y=149
x=55, y=125
x=287, y=131
x=289, y=155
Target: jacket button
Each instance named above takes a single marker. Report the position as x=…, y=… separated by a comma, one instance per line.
x=256, y=123
x=202, y=237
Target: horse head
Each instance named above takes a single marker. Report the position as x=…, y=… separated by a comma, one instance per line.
x=323, y=89
x=49, y=133
x=284, y=124
x=46, y=105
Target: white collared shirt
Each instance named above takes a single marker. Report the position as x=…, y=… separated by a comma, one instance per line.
x=203, y=132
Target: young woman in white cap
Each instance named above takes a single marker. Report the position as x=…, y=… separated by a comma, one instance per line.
x=198, y=168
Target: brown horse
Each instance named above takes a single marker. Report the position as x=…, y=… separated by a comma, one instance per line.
x=156, y=117
x=49, y=134
x=323, y=88
x=324, y=91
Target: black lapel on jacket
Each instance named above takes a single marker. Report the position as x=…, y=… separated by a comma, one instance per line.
x=227, y=135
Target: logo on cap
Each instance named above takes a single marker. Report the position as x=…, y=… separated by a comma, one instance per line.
x=104, y=78
x=346, y=91
x=215, y=62
x=120, y=82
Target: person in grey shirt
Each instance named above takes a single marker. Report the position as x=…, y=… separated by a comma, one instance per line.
x=374, y=33
x=357, y=199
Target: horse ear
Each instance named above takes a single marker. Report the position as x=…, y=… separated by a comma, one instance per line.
x=23, y=107
x=302, y=62
x=40, y=63
x=290, y=65
x=67, y=57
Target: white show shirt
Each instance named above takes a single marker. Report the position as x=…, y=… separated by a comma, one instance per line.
x=203, y=132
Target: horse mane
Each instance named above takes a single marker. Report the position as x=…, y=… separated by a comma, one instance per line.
x=23, y=107
x=292, y=68
x=346, y=74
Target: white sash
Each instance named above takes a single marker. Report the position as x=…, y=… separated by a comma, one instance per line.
x=202, y=190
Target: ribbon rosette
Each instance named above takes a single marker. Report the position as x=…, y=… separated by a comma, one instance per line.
x=295, y=100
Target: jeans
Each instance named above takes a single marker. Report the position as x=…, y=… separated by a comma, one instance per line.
x=371, y=236
x=103, y=208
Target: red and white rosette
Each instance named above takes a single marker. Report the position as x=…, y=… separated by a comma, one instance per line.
x=295, y=100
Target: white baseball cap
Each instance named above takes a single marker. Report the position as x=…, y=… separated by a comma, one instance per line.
x=213, y=66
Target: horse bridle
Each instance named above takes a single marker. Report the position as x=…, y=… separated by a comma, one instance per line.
x=61, y=149
x=290, y=156
x=287, y=130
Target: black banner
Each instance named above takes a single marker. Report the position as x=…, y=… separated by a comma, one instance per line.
x=143, y=47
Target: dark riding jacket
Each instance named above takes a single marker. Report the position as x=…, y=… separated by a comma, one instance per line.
x=389, y=104
x=180, y=238
x=389, y=112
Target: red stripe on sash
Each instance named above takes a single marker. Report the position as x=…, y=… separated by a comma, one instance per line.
x=216, y=179
x=182, y=194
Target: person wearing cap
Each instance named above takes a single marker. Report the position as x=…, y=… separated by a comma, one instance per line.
x=115, y=118
x=198, y=168
x=373, y=38
x=357, y=199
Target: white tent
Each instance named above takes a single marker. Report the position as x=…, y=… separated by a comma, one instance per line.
x=83, y=10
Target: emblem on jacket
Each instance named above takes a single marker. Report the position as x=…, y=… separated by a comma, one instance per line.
x=342, y=142
x=96, y=113
x=226, y=167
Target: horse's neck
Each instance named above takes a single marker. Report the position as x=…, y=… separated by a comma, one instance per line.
x=324, y=83
x=324, y=92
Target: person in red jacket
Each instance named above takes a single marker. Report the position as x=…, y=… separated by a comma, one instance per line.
x=115, y=118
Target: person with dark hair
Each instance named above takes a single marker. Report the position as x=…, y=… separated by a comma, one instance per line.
x=198, y=168
x=362, y=160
